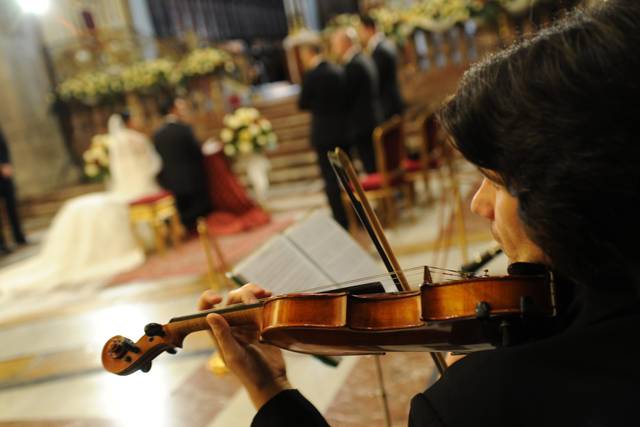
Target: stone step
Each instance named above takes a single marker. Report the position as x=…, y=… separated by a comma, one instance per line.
x=293, y=146
x=290, y=121
x=290, y=174
x=292, y=133
x=281, y=107
x=280, y=162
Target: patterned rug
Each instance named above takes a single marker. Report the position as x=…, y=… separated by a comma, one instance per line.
x=189, y=257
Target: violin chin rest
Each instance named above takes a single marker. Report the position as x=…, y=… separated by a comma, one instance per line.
x=527, y=269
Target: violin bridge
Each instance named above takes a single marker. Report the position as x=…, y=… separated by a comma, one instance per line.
x=426, y=276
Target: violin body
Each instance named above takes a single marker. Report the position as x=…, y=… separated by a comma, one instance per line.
x=455, y=316
x=460, y=316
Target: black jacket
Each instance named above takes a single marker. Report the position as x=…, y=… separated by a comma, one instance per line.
x=386, y=58
x=324, y=94
x=182, y=161
x=585, y=375
x=365, y=112
x=4, y=150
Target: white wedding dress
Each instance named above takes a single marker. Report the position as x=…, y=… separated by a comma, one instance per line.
x=90, y=238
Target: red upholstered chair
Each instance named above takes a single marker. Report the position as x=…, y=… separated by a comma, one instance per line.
x=159, y=211
x=384, y=185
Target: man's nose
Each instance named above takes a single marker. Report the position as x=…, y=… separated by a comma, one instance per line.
x=483, y=201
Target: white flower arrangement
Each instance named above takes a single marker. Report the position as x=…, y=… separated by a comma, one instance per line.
x=96, y=158
x=246, y=132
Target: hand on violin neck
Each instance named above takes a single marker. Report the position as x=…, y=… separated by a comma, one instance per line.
x=260, y=367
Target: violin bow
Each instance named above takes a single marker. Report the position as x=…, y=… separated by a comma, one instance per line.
x=350, y=183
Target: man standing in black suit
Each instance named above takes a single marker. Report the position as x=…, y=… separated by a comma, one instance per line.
x=324, y=94
x=365, y=112
x=183, y=170
x=385, y=56
x=8, y=193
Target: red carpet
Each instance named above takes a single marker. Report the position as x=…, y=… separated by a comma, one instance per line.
x=189, y=258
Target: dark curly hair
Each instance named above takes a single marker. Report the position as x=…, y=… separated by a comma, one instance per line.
x=556, y=118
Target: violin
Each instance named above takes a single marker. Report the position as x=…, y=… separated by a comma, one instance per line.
x=465, y=315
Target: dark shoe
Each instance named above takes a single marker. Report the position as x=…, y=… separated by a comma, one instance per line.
x=22, y=241
x=4, y=250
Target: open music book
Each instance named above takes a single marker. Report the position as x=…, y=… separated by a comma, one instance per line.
x=315, y=254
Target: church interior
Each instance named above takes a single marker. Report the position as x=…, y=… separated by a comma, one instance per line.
x=156, y=149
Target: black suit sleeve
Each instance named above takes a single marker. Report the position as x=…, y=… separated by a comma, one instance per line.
x=304, y=101
x=288, y=408
x=422, y=413
x=4, y=150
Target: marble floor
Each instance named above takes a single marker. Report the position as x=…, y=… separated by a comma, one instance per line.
x=51, y=374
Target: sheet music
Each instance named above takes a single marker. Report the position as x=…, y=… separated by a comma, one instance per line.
x=328, y=245
x=280, y=267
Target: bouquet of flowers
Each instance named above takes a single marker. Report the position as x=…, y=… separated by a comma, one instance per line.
x=246, y=132
x=96, y=158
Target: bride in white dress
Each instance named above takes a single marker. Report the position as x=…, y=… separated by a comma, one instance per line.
x=90, y=238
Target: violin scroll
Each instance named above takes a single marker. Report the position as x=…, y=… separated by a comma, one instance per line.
x=122, y=356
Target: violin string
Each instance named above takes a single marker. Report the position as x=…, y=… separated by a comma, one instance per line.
x=415, y=272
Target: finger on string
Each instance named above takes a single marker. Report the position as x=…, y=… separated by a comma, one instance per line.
x=248, y=294
x=208, y=299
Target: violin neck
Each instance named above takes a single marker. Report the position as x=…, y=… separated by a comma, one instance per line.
x=235, y=315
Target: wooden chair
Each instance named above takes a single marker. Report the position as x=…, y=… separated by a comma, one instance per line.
x=383, y=185
x=160, y=213
x=430, y=155
x=216, y=270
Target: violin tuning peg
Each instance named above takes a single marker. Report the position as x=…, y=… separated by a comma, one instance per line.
x=146, y=367
x=154, y=330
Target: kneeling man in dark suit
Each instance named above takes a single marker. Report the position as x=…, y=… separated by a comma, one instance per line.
x=183, y=170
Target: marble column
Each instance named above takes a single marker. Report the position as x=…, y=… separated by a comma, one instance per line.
x=39, y=157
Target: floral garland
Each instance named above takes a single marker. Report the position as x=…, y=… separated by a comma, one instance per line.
x=205, y=61
x=144, y=77
x=431, y=15
x=148, y=76
x=90, y=88
x=246, y=132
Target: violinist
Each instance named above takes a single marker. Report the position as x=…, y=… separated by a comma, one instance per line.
x=552, y=125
